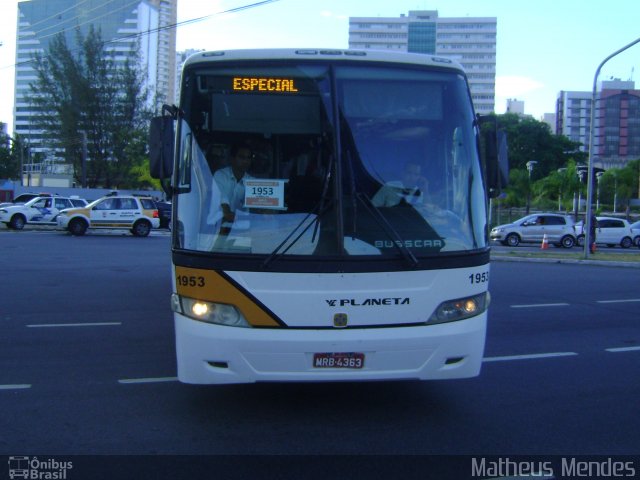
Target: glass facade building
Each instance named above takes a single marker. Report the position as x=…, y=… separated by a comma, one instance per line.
x=469, y=41
x=616, y=122
x=125, y=25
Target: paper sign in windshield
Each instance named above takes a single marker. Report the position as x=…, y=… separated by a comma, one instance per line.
x=264, y=194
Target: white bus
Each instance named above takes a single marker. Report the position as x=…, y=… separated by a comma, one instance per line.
x=329, y=217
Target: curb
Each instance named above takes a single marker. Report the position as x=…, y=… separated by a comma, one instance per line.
x=571, y=261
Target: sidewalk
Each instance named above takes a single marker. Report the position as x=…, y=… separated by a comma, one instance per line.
x=540, y=258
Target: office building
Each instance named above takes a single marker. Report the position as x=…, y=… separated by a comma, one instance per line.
x=166, y=51
x=124, y=25
x=180, y=58
x=617, y=123
x=515, y=106
x=471, y=41
x=573, y=117
x=616, y=132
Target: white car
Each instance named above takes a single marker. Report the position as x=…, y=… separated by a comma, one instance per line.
x=40, y=210
x=611, y=231
x=137, y=214
x=635, y=229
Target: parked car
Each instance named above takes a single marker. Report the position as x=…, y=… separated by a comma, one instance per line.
x=611, y=231
x=635, y=230
x=23, y=198
x=134, y=213
x=164, y=210
x=558, y=228
x=40, y=210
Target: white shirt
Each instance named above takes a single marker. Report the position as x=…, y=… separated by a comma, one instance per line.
x=231, y=189
x=392, y=193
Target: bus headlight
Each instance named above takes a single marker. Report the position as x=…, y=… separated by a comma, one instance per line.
x=209, y=312
x=461, y=308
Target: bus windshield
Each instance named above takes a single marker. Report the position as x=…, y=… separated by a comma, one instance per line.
x=327, y=160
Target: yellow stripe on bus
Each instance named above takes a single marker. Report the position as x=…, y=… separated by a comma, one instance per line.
x=210, y=286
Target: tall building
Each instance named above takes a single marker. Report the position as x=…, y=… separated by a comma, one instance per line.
x=471, y=41
x=124, y=25
x=616, y=131
x=180, y=58
x=515, y=106
x=166, y=51
x=549, y=119
x=573, y=117
x=617, y=122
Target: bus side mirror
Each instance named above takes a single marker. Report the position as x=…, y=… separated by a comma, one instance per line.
x=495, y=153
x=161, y=143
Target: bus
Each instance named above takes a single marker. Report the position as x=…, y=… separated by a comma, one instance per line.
x=329, y=216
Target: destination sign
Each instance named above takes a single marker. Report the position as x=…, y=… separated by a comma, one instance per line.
x=264, y=84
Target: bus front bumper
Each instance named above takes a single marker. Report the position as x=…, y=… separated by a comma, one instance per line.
x=214, y=354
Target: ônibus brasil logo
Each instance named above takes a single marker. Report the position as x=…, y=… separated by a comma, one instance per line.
x=38, y=469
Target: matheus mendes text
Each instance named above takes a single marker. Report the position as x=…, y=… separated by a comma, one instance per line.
x=567, y=468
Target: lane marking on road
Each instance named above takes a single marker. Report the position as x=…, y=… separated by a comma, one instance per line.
x=19, y=386
x=535, y=305
x=148, y=380
x=619, y=301
x=56, y=325
x=622, y=349
x=531, y=356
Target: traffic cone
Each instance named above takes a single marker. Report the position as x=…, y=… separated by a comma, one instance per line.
x=545, y=242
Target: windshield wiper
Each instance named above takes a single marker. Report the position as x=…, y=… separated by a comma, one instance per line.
x=388, y=229
x=391, y=232
x=319, y=209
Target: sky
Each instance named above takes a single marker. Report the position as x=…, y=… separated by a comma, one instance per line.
x=543, y=47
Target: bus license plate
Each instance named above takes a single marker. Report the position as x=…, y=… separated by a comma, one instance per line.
x=338, y=360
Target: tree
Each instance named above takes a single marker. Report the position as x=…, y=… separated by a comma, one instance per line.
x=529, y=139
x=9, y=157
x=619, y=185
x=84, y=94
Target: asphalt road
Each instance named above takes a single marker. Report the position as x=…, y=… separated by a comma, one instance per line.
x=87, y=367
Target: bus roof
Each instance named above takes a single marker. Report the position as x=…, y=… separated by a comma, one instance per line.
x=324, y=54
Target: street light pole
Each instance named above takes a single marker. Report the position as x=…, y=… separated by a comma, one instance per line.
x=587, y=221
x=598, y=177
x=530, y=165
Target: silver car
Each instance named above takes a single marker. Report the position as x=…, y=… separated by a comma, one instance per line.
x=558, y=228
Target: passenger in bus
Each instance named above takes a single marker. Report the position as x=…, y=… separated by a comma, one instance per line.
x=409, y=190
x=230, y=182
